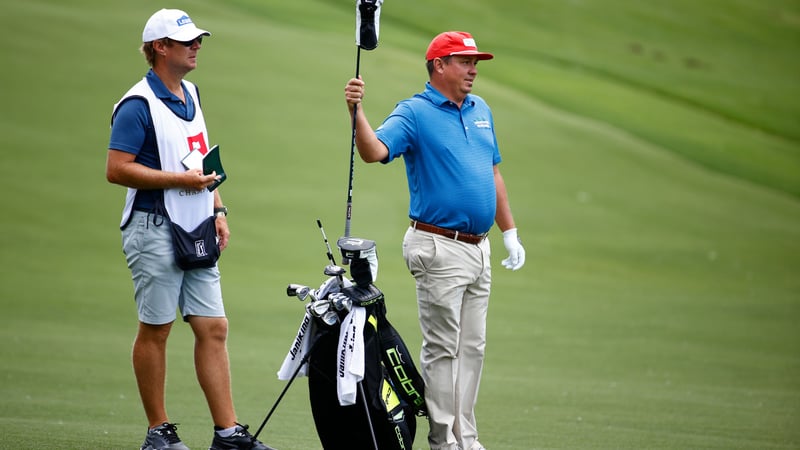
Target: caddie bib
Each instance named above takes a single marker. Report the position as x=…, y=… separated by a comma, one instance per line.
x=175, y=138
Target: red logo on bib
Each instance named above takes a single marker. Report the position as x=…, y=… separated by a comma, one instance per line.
x=198, y=142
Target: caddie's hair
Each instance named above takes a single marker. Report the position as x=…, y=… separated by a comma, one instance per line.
x=429, y=64
x=149, y=52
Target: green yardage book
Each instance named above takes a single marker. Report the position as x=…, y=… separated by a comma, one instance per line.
x=213, y=163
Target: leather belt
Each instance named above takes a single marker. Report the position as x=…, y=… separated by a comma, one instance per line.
x=469, y=238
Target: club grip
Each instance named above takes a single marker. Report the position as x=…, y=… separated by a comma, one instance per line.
x=291, y=289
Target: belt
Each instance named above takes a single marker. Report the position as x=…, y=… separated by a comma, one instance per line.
x=469, y=238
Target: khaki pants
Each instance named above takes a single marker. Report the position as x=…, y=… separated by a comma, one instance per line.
x=453, y=283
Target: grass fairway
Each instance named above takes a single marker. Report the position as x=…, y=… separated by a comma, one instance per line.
x=652, y=155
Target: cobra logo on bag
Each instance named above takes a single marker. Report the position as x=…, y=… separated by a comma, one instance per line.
x=398, y=368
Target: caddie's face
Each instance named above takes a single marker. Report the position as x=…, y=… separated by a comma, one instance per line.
x=180, y=56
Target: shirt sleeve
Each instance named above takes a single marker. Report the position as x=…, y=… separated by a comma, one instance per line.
x=398, y=131
x=129, y=125
x=496, y=158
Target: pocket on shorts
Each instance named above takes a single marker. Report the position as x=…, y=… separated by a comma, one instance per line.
x=419, y=251
x=132, y=235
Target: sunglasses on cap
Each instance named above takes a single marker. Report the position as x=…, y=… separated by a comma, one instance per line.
x=199, y=40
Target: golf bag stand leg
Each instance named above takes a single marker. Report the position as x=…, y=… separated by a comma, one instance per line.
x=366, y=411
x=303, y=362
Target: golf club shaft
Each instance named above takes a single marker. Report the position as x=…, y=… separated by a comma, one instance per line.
x=327, y=245
x=349, y=213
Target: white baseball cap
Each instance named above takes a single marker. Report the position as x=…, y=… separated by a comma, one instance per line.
x=171, y=23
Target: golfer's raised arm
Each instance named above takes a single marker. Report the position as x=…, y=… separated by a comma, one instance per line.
x=370, y=148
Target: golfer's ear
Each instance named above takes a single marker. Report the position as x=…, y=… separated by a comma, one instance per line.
x=438, y=65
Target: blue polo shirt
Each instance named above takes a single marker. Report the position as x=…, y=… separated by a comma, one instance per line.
x=449, y=155
x=132, y=131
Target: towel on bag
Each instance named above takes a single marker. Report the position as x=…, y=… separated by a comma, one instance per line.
x=298, y=351
x=350, y=361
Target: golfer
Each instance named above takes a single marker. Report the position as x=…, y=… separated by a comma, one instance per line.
x=155, y=124
x=446, y=137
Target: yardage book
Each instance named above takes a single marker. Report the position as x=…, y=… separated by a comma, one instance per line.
x=213, y=163
x=210, y=162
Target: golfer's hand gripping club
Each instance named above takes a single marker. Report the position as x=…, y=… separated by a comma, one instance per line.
x=354, y=92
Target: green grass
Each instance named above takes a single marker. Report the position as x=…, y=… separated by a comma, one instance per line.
x=652, y=154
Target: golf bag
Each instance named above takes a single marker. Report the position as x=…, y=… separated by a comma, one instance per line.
x=391, y=422
x=378, y=407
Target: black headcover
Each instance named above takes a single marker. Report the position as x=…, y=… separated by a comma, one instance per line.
x=363, y=259
x=368, y=23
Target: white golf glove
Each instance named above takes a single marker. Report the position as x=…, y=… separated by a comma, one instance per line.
x=516, y=253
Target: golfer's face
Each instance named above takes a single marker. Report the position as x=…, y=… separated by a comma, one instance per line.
x=461, y=72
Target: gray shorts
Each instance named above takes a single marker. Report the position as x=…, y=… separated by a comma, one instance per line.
x=160, y=286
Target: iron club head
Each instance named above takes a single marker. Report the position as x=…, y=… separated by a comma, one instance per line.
x=298, y=290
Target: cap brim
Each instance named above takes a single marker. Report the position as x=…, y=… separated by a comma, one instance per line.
x=188, y=34
x=481, y=55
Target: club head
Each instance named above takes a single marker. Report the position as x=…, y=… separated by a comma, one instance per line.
x=341, y=302
x=334, y=271
x=320, y=307
x=297, y=290
x=330, y=317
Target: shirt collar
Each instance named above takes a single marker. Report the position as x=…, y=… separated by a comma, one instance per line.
x=436, y=97
x=160, y=89
x=184, y=110
x=157, y=85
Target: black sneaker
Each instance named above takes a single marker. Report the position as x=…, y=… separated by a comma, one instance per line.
x=241, y=439
x=163, y=437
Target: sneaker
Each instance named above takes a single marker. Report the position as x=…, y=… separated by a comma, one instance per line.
x=163, y=437
x=241, y=439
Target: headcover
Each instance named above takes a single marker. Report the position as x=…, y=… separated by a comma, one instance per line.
x=368, y=15
x=363, y=259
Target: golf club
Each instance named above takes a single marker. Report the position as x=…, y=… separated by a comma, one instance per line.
x=367, y=31
x=297, y=290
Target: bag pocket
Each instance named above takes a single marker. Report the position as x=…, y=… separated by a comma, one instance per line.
x=196, y=249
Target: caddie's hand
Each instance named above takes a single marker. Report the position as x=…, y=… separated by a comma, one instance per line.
x=194, y=179
x=516, y=253
x=354, y=92
x=223, y=232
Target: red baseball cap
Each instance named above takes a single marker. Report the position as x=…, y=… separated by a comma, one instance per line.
x=454, y=43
